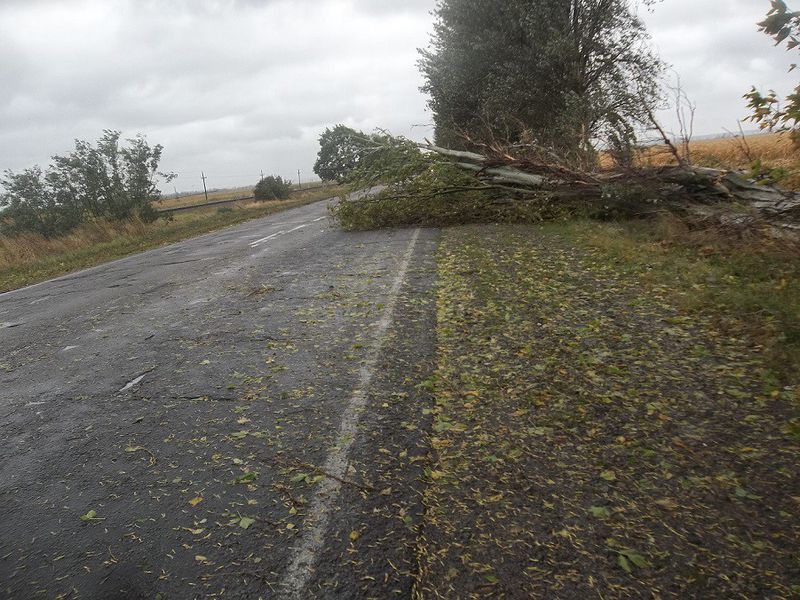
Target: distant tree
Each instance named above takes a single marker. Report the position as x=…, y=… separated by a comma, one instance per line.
x=107, y=180
x=564, y=74
x=341, y=149
x=272, y=188
x=768, y=111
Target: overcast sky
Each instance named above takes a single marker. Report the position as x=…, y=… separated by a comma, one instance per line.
x=235, y=86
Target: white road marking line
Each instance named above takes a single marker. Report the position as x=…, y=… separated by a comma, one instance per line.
x=304, y=555
x=320, y=219
x=257, y=243
x=134, y=382
x=265, y=239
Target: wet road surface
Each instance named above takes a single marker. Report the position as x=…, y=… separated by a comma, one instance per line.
x=238, y=415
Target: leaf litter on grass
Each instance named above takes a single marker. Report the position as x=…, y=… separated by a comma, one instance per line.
x=592, y=441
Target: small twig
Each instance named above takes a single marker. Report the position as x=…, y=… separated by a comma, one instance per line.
x=666, y=138
x=321, y=471
x=742, y=144
x=287, y=490
x=152, y=461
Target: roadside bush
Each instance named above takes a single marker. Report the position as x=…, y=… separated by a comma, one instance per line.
x=272, y=188
x=148, y=213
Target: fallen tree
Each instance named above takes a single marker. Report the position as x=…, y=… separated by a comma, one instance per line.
x=676, y=186
x=540, y=183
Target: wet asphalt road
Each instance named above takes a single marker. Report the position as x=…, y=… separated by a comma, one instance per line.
x=191, y=397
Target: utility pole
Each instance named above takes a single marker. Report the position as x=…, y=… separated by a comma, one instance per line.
x=262, y=174
x=205, y=189
x=299, y=185
x=176, y=191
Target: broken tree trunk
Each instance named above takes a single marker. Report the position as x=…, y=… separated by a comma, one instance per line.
x=679, y=187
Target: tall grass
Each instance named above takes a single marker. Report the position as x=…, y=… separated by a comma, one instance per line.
x=30, y=247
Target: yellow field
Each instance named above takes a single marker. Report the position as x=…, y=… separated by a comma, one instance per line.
x=229, y=194
x=775, y=151
x=193, y=199
x=771, y=148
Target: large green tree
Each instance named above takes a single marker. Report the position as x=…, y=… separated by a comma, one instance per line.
x=783, y=25
x=566, y=73
x=109, y=179
x=341, y=149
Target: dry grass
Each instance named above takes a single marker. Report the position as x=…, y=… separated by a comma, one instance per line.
x=191, y=200
x=31, y=247
x=773, y=150
x=229, y=194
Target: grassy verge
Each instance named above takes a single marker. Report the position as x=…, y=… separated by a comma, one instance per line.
x=29, y=259
x=744, y=285
x=597, y=433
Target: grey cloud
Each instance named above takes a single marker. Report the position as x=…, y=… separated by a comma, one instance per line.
x=226, y=85
x=234, y=86
x=393, y=6
x=719, y=53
